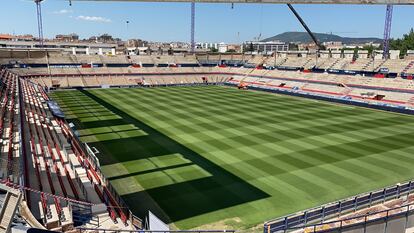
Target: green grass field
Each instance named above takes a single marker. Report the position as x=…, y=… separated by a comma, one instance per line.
x=221, y=157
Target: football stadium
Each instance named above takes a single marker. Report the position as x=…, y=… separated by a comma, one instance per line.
x=289, y=141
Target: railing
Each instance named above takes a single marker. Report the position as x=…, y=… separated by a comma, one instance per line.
x=362, y=222
x=336, y=209
x=96, y=230
x=108, y=193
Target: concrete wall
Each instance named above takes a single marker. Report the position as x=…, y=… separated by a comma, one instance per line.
x=363, y=54
x=324, y=54
x=336, y=54
x=348, y=54
x=394, y=54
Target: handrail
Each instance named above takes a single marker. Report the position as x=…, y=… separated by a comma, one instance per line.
x=320, y=213
x=409, y=208
x=153, y=231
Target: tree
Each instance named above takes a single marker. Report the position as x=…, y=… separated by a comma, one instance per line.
x=293, y=46
x=213, y=50
x=403, y=44
x=355, y=56
x=370, y=49
x=249, y=48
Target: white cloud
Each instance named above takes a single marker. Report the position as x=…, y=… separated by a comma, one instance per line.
x=94, y=19
x=62, y=12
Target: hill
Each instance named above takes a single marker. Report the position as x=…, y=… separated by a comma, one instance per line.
x=303, y=37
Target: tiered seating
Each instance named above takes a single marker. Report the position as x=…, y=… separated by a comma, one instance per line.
x=359, y=64
x=334, y=89
x=297, y=61
x=91, y=81
x=42, y=60
x=142, y=60
x=340, y=64
x=81, y=58
x=106, y=59
x=42, y=133
x=55, y=167
x=185, y=60
x=101, y=190
x=394, y=65
x=257, y=60
x=327, y=63
x=49, y=163
x=9, y=132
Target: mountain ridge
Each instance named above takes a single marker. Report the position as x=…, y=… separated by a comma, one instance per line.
x=303, y=37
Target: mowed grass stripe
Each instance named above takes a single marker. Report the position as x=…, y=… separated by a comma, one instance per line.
x=299, y=152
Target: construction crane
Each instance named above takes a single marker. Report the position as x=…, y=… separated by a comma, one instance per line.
x=387, y=31
x=39, y=21
x=315, y=40
x=192, y=27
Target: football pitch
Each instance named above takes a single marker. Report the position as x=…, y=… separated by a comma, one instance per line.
x=216, y=157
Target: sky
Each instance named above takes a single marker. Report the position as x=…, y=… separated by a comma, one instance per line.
x=214, y=22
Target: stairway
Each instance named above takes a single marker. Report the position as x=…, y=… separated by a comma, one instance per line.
x=282, y=62
x=368, y=65
x=409, y=66
x=344, y=65
x=334, y=63
x=306, y=64
x=321, y=63
x=83, y=215
x=376, y=68
x=74, y=60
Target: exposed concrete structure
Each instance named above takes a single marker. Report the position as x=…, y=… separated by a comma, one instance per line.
x=9, y=200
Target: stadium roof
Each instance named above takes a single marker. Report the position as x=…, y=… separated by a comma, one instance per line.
x=360, y=2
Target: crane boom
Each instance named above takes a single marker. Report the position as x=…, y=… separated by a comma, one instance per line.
x=387, y=31
x=39, y=21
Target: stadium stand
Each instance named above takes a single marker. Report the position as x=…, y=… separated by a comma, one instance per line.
x=359, y=64
x=65, y=189
x=359, y=86
x=394, y=66
x=327, y=63
x=8, y=128
x=71, y=190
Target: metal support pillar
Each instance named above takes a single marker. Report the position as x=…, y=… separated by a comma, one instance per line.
x=387, y=32
x=39, y=21
x=192, y=27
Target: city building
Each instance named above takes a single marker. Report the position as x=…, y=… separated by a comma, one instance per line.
x=87, y=48
x=9, y=37
x=67, y=38
x=265, y=47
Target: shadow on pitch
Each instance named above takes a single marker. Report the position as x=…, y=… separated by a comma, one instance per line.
x=177, y=201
